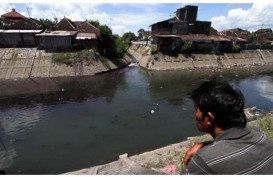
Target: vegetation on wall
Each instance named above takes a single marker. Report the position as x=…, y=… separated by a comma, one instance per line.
x=252, y=38
x=186, y=46
x=70, y=58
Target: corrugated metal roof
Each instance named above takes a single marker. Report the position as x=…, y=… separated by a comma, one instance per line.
x=58, y=33
x=170, y=20
x=196, y=37
x=20, y=31
x=86, y=36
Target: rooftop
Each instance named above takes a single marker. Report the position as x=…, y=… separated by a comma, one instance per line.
x=13, y=15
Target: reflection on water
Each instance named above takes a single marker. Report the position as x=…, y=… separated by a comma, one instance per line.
x=265, y=87
x=57, y=125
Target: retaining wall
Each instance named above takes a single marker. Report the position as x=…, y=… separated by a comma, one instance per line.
x=191, y=61
x=31, y=63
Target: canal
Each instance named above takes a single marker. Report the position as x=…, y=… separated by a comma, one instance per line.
x=56, y=125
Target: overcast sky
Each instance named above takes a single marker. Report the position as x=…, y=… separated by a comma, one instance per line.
x=125, y=17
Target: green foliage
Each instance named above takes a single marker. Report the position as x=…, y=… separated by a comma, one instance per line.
x=95, y=23
x=140, y=30
x=252, y=38
x=153, y=49
x=121, y=45
x=111, y=45
x=266, y=124
x=48, y=23
x=129, y=36
x=186, y=46
x=69, y=58
x=236, y=48
x=107, y=44
x=63, y=58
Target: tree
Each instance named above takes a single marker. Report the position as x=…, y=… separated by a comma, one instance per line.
x=252, y=38
x=140, y=30
x=107, y=45
x=48, y=23
x=129, y=36
x=111, y=45
x=95, y=23
x=121, y=45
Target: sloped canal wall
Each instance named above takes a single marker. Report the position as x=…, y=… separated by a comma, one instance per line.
x=159, y=61
x=20, y=63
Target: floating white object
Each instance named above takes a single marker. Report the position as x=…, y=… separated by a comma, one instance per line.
x=152, y=111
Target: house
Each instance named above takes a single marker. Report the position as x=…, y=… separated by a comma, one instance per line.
x=238, y=36
x=67, y=35
x=17, y=30
x=198, y=42
x=169, y=34
x=144, y=35
x=87, y=36
x=264, y=36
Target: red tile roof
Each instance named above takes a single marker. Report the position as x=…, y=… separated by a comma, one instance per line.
x=80, y=26
x=86, y=27
x=13, y=15
x=65, y=25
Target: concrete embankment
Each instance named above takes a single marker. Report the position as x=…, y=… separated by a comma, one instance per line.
x=160, y=61
x=16, y=63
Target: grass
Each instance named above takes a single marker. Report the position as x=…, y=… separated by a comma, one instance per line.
x=70, y=58
x=266, y=124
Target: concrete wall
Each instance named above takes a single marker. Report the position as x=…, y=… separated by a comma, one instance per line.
x=16, y=63
x=190, y=61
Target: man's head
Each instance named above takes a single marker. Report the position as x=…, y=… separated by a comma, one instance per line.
x=219, y=104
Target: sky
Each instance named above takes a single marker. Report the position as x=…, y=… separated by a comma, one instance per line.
x=130, y=17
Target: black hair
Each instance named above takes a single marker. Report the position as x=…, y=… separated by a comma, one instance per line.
x=224, y=102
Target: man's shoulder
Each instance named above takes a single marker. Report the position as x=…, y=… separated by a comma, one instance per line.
x=255, y=138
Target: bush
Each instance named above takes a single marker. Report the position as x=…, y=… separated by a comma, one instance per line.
x=63, y=57
x=69, y=58
x=236, y=48
x=266, y=124
x=186, y=46
x=153, y=49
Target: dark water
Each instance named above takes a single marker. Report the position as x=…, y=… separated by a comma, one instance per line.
x=51, y=126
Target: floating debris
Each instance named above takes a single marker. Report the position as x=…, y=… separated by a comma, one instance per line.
x=143, y=115
x=62, y=90
x=152, y=111
x=252, y=113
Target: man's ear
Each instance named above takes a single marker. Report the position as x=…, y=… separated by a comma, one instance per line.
x=211, y=118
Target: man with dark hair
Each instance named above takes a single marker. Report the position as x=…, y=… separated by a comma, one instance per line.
x=236, y=148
